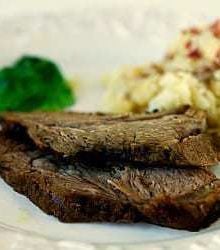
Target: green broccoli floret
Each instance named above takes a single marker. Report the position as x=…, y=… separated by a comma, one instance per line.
x=34, y=83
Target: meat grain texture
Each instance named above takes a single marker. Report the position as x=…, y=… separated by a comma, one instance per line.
x=103, y=189
x=176, y=139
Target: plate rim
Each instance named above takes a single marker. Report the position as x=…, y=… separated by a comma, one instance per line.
x=16, y=238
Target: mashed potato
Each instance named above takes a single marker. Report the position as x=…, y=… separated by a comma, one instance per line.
x=195, y=50
x=188, y=75
x=130, y=89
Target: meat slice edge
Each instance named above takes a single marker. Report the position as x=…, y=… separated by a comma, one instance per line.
x=173, y=139
x=180, y=198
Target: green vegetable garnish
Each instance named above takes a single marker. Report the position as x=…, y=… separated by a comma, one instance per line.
x=34, y=83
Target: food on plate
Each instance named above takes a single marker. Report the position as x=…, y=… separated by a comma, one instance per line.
x=189, y=74
x=153, y=166
x=196, y=50
x=94, y=185
x=167, y=138
x=34, y=83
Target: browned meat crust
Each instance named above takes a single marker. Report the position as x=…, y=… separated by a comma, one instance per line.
x=164, y=139
x=184, y=198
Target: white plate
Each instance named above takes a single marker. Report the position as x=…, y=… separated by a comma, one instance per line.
x=88, y=39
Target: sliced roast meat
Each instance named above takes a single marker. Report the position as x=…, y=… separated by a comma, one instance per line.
x=156, y=139
x=78, y=191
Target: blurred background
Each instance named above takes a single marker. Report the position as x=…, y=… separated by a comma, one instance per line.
x=111, y=32
x=89, y=38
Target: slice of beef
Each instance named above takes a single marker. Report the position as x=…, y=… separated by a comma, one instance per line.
x=184, y=198
x=174, y=205
x=164, y=139
x=79, y=119
x=215, y=135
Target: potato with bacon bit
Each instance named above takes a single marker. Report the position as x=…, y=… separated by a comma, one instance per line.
x=189, y=74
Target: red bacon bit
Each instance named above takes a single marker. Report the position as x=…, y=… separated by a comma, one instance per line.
x=195, y=54
x=215, y=28
x=193, y=31
x=192, y=51
x=188, y=45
